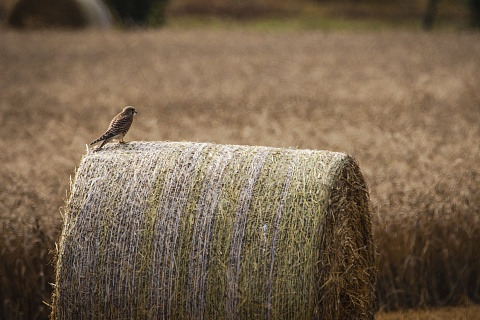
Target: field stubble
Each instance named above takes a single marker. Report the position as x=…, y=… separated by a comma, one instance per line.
x=406, y=105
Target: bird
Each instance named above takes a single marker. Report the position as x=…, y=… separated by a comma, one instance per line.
x=118, y=127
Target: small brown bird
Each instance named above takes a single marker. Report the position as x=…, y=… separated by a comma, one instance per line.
x=118, y=127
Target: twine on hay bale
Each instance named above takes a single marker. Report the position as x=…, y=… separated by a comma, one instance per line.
x=181, y=230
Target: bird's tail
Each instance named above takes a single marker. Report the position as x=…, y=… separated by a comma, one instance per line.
x=106, y=136
x=103, y=143
x=96, y=140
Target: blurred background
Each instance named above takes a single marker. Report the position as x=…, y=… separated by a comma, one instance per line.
x=393, y=83
x=426, y=14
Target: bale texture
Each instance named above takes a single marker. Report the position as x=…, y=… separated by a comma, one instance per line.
x=170, y=230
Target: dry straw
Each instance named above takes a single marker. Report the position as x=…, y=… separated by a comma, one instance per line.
x=167, y=230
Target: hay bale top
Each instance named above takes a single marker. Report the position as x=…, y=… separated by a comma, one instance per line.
x=139, y=149
x=186, y=230
x=152, y=147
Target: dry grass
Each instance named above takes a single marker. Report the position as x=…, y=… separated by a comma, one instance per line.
x=406, y=105
x=457, y=313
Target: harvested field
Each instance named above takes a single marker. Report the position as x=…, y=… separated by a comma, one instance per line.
x=405, y=105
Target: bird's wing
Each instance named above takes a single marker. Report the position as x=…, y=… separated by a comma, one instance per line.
x=119, y=125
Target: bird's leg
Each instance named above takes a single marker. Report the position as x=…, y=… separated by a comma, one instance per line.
x=122, y=141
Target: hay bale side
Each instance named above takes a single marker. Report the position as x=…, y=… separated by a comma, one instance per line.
x=193, y=230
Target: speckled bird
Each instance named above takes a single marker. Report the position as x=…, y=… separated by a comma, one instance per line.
x=118, y=127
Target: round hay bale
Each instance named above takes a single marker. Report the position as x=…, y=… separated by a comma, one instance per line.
x=96, y=13
x=59, y=13
x=181, y=230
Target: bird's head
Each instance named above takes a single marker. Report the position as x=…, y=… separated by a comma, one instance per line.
x=129, y=110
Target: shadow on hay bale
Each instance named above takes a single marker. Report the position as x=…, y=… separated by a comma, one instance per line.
x=205, y=231
x=59, y=13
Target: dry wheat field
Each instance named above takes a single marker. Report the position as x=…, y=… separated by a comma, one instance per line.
x=406, y=105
